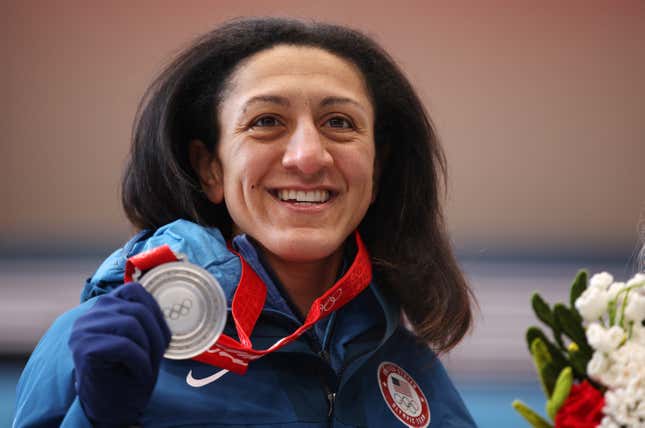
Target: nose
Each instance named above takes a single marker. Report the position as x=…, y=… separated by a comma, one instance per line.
x=306, y=151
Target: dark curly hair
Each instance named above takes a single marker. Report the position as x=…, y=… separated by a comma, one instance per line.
x=403, y=229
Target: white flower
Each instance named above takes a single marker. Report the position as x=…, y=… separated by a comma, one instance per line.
x=625, y=373
x=635, y=309
x=592, y=303
x=607, y=422
x=604, y=340
x=630, y=351
x=625, y=406
x=610, y=376
x=638, y=334
x=637, y=280
x=616, y=288
x=601, y=280
x=597, y=365
x=615, y=408
x=625, y=364
x=615, y=336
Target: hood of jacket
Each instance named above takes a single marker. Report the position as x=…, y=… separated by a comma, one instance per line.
x=203, y=246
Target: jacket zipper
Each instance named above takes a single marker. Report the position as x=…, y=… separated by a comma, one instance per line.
x=324, y=355
x=329, y=392
x=331, y=397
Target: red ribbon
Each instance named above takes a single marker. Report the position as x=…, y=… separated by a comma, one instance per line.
x=249, y=299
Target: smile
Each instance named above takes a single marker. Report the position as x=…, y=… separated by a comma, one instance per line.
x=302, y=196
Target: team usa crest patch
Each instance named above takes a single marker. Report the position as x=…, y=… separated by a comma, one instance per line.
x=403, y=396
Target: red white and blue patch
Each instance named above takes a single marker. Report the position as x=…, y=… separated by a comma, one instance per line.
x=403, y=396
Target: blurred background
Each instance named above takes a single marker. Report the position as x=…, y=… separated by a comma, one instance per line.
x=540, y=107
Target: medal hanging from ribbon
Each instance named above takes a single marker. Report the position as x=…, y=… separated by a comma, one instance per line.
x=248, y=302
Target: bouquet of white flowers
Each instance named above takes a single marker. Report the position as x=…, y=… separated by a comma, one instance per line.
x=593, y=371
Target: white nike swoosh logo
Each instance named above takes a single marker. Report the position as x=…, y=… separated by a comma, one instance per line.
x=198, y=383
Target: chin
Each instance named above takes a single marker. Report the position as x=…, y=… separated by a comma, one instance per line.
x=308, y=248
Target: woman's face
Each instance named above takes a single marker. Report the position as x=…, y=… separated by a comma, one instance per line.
x=296, y=151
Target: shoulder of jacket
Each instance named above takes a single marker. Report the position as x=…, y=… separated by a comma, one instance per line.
x=203, y=246
x=54, y=341
x=404, y=337
x=425, y=367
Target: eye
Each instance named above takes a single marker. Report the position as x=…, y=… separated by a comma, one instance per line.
x=339, y=122
x=265, y=121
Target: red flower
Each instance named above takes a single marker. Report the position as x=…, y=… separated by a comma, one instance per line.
x=582, y=408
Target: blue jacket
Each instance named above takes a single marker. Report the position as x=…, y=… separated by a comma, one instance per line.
x=358, y=367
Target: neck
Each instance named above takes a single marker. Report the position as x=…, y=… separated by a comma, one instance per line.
x=304, y=282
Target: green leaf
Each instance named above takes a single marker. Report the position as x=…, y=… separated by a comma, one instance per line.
x=540, y=353
x=547, y=372
x=548, y=378
x=559, y=359
x=545, y=314
x=530, y=415
x=579, y=362
x=578, y=287
x=557, y=333
x=572, y=327
x=542, y=310
x=533, y=333
x=560, y=392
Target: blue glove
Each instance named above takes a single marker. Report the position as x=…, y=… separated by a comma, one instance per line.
x=117, y=347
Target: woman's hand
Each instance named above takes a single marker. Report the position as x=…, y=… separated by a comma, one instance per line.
x=117, y=347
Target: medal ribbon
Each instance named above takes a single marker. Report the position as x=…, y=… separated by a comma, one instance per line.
x=249, y=299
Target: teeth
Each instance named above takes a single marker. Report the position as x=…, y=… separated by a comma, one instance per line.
x=315, y=196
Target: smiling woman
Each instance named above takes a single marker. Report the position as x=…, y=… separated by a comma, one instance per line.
x=295, y=164
x=296, y=125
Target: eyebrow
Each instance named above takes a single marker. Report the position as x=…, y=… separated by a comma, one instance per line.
x=282, y=101
x=328, y=101
x=273, y=99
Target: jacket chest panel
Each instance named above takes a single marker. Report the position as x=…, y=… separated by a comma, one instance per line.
x=284, y=388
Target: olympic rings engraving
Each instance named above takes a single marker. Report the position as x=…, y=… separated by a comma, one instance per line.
x=178, y=310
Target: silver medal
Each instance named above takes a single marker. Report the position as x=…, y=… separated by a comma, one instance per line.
x=193, y=304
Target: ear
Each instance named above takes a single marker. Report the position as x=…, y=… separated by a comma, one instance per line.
x=208, y=170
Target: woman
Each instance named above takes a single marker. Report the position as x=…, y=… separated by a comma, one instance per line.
x=280, y=138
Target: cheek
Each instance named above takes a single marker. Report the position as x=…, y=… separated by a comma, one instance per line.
x=358, y=173
x=244, y=172
x=358, y=167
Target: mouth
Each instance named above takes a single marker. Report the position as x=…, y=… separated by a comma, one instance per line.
x=303, y=197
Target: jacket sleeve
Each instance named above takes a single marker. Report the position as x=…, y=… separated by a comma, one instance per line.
x=45, y=395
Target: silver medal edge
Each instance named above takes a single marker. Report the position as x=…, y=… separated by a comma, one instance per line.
x=151, y=284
